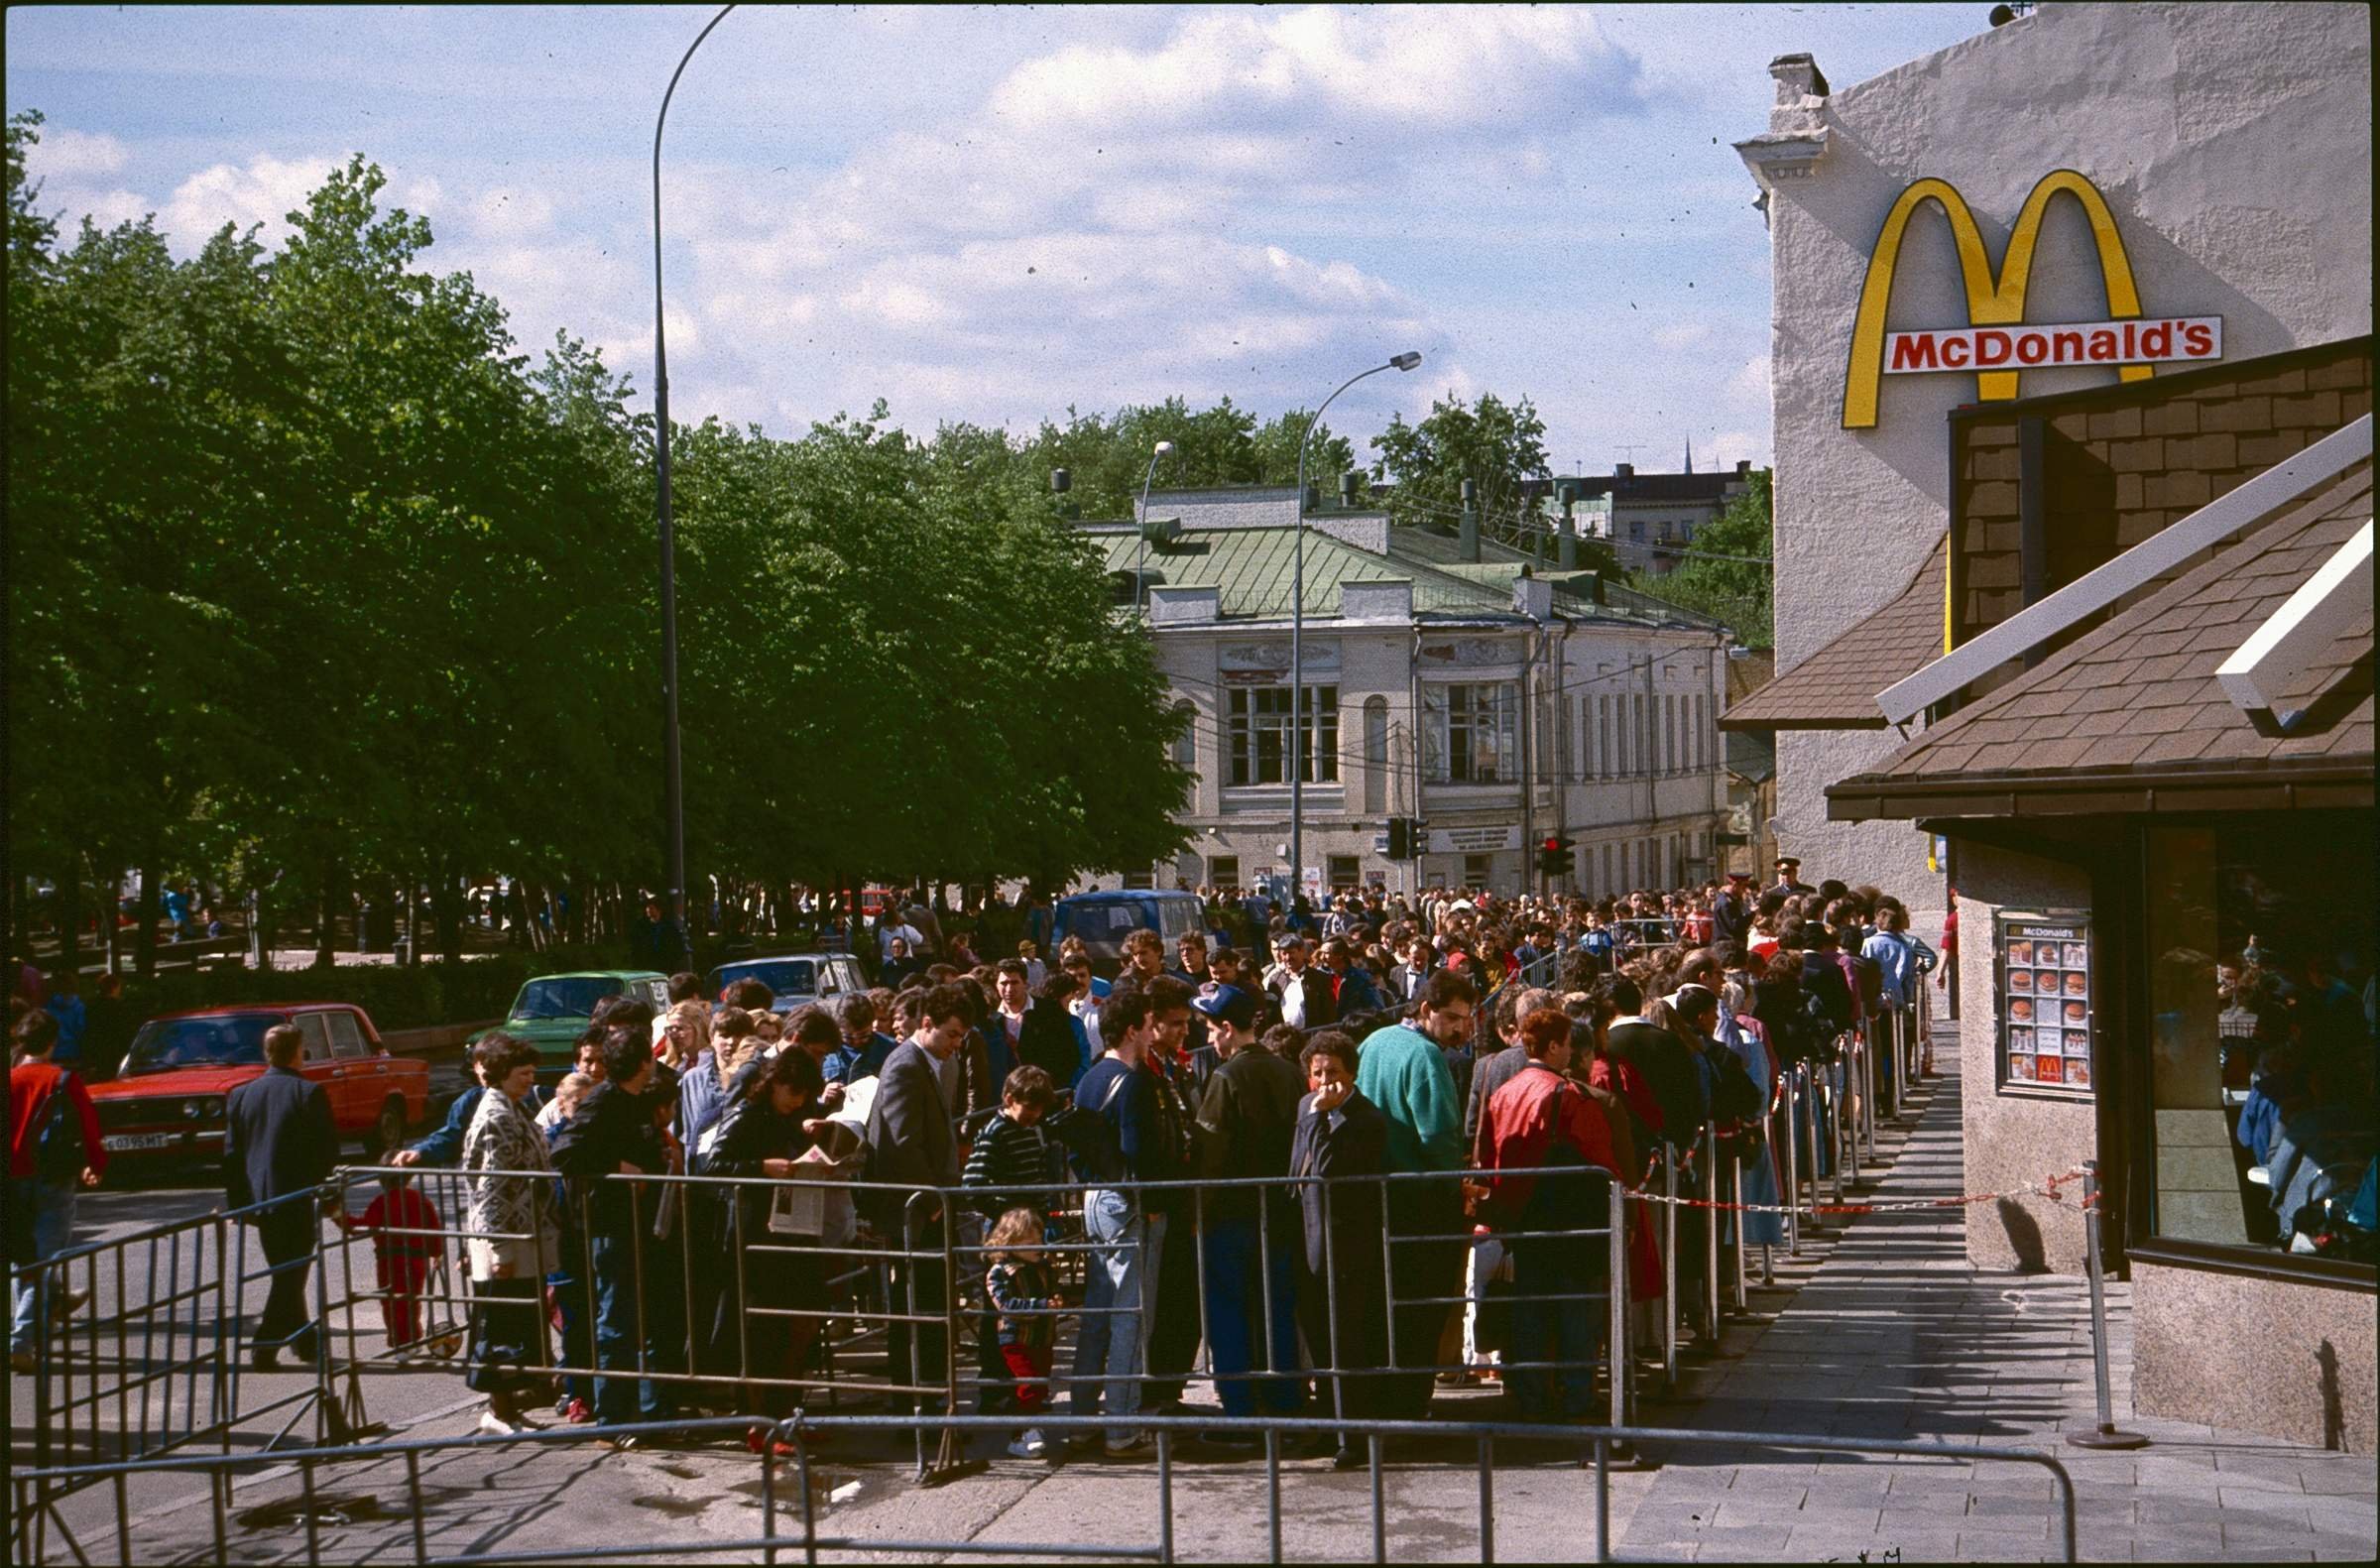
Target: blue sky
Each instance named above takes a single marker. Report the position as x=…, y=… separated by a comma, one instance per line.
x=990, y=214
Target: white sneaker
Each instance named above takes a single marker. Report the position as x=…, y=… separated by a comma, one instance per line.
x=1029, y=1446
x=495, y=1425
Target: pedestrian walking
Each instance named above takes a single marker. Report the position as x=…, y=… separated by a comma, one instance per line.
x=914, y=1151
x=1120, y=1145
x=1250, y=1119
x=54, y=1153
x=280, y=1145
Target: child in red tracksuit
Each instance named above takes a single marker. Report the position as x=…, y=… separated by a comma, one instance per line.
x=1026, y=1308
x=403, y=1228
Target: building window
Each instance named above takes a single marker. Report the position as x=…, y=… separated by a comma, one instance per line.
x=1140, y=879
x=1611, y=882
x=1259, y=720
x=1185, y=745
x=1375, y=754
x=1346, y=871
x=1471, y=733
x=2260, y=1051
x=1639, y=738
x=1636, y=529
x=1475, y=872
x=1222, y=871
x=1605, y=759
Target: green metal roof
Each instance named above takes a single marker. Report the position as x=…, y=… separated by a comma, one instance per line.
x=1253, y=567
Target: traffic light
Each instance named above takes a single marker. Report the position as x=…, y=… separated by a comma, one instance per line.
x=1404, y=838
x=1553, y=856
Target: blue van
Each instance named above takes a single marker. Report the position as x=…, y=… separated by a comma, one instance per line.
x=1104, y=919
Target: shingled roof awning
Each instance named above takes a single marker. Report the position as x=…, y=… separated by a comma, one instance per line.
x=2133, y=717
x=1835, y=687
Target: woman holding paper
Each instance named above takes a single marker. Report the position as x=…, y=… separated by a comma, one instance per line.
x=766, y=1129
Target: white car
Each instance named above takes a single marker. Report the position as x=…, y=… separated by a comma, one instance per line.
x=793, y=979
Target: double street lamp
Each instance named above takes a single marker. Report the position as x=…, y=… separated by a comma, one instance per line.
x=1298, y=731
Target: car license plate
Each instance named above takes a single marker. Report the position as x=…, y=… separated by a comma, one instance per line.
x=117, y=1143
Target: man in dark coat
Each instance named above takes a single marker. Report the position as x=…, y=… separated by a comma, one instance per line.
x=1341, y=1295
x=911, y=1142
x=280, y=1142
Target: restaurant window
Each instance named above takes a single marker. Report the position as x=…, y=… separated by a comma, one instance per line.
x=1222, y=871
x=1259, y=735
x=1346, y=872
x=1471, y=733
x=1185, y=744
x=2261, y=1030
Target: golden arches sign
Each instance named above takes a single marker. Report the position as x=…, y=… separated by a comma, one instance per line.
x=1991, y=301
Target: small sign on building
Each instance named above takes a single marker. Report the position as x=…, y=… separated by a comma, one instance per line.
x=2043, y=994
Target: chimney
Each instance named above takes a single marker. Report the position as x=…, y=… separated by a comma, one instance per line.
x=1467, y=541
x=1568, y=491
x=1623, y=470
x=1347, y=492
x=1743, y=468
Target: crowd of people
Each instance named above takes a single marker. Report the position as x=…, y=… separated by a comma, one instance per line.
x=1274, y=1145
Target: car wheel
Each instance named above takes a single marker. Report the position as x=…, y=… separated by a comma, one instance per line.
x=388, y=1131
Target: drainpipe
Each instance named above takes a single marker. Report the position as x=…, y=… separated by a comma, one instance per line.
x=1528, y=773
x=1467, y=541
x=1413, y=710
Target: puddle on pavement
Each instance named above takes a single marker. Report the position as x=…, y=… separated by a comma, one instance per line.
x=676, y=1508
x=330, y=1511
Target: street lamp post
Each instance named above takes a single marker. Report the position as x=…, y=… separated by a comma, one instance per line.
x=673, y=789
x=1140, y=573
x=1298, y=639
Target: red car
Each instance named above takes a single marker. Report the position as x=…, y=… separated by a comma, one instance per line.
x=168, y=1097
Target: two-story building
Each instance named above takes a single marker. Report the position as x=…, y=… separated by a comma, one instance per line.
x=1452, y=681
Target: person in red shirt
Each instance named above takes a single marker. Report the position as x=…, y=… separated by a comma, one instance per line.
x=405, y=1230
x=1537, y=1124
x=44, y=1177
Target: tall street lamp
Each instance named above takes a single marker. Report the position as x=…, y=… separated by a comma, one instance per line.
x=674, y=787
x=1297, y=630
x=1141, y=575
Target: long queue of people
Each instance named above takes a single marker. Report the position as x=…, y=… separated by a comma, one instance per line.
x=1221, y=1144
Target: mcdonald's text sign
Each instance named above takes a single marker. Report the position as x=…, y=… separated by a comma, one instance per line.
x=1997, y=343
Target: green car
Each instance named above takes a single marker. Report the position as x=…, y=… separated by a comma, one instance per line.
x=552, y=1011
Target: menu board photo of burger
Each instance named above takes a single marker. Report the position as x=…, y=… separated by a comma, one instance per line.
x=2045, y=1001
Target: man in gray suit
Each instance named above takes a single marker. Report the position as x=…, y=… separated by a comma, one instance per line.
x=1500, y=1068
x=912, y=1144
x=279, y=1141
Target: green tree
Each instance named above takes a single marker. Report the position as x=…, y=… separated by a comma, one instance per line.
x=1725, y=571
x=1497, y=444
x=1109, y=456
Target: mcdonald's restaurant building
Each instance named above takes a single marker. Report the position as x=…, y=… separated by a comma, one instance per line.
x=2073, y=384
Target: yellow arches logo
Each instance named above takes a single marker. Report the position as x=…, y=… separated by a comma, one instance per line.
x=1996, y=344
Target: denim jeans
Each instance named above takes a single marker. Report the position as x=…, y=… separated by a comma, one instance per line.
x=34, y=1292
x=619, y=1334
x=1113, y=1343
x=1236, y=1314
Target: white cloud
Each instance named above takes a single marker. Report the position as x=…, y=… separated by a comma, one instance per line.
x=1679, y=334
x=73, y=155
x=264, y=191
x=1752, y=380
x=106, y=208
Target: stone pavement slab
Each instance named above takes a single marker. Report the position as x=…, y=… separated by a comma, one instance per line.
x=1893, y=1334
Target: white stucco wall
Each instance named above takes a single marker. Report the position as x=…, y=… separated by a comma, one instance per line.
x=2232, y=143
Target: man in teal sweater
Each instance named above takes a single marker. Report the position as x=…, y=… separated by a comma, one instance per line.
x=1403, y=1072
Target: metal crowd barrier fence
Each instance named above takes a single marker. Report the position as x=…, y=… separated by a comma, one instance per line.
x=155, y=1355
x=921, y=1297
x=1595, y=1444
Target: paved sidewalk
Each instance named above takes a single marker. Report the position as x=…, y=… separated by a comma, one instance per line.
x=1895, y=1336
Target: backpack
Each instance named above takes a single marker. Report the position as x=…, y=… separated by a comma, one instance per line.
x=60, y=1158
x=1733, y=1096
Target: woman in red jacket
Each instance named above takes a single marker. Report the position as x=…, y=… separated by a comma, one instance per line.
x=53, y=1150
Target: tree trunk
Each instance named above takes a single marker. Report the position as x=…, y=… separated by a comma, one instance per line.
x=446, y=904
x=110, y=936
x=69, y=916
x=327, y=935
x=144, y=939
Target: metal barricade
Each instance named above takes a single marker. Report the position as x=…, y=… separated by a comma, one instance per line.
x=802, y=1532
x=653, y=1283
x=156, y=1355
